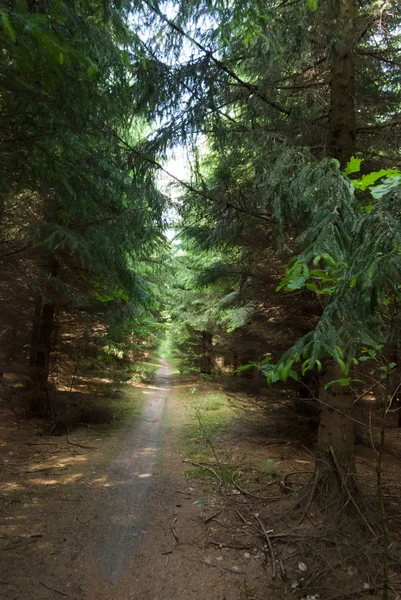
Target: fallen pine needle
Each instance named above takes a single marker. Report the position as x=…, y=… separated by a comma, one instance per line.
x=49, y=587
x=173, y=530
x=80, y=445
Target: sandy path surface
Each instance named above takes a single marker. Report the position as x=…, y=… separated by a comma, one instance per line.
x=134, y=554
x=91, y=516
x=125, y=513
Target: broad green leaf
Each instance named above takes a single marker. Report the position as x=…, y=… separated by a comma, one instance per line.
x=296, y=284
x=353, y=165
x=344, y=382
x=370, y=179
x=312, y=287
x=322, y=275
x=387, y=186
x=329, y=260
x=312, y=4
x=244, y=367
x=339, y=351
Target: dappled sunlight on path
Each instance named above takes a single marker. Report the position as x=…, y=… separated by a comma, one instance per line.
x=124, y=516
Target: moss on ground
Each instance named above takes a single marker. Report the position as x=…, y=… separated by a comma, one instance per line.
x=209, y=417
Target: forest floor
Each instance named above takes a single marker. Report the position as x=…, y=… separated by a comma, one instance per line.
x=181, y=499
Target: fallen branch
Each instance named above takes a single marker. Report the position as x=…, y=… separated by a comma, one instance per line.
x=49, y=587
x=240, y=489
x=46, y=469
x=270, y=545
x=172, y=529
x=224, y=524
x=41, y=444
x=80, y=445
x=184, y=493
x=209, y=441
x=241, y=517
x=196, y=464
x=214, y=515
x=222, y=545
x=18, y=545
x=8, y=504
x=350, y=496
x=311, y=496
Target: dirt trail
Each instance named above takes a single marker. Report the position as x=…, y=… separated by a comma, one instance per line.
x=125, y=513
x=136, y=555
x=108, y=514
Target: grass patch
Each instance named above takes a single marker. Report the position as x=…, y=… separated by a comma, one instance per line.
x=205, y=439
x=210, y=416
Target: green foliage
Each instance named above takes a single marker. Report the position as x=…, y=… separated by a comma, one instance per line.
x=74, y=191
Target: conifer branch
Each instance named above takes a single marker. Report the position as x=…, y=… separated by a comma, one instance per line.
x=188, y=186
x=253, y=89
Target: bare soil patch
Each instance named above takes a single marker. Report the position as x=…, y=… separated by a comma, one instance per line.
x=222, y=517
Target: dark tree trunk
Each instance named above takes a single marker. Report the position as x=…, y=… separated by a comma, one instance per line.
x=336, y=435
x=306, y=390
x=335, y=459
x=394, y=355
x=206, y=358
x=40, y=352
x=235, y=362
x=41, y=347
x=34, y=340
x=342, y=115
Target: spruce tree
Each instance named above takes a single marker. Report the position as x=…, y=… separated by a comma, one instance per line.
x=281, y=97
x=75, y=196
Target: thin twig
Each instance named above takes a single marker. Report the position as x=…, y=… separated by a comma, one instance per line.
x=209, y=441
x=270, y=545
x=214, y=515
x=8, y=504
x=45, y=469
x=311, y=496
x=49, y=587
x=241, y=517
x=41, y=444
x=173, y=531
x=196, y=464
x=240, y=489
x=80, y=445
x=222, y=545
x=19, y=545
x=350, y=496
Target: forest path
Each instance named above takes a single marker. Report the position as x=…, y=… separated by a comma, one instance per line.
x=109, y=512
x=124, y=517
x=149, y=538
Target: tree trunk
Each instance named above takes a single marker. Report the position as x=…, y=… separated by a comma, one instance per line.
x=40, y=348
x=335, y=460
x=342, y=115
x=206, y=362
x=335, y=463
x=40, y=352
